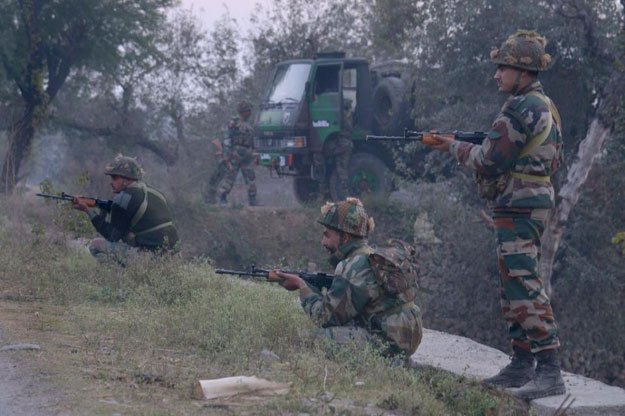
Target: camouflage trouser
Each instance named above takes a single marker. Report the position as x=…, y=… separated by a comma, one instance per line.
x=524, y=302
x=337, y=151
x=241, y=158
x=104, y=250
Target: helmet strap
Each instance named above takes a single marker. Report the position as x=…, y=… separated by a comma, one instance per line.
x=342, y=239
x=517, y=83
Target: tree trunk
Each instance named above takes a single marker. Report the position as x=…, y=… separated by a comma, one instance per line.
x=568, y=196
x=20, y=139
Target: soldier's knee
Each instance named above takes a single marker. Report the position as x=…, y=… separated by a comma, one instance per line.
x=97, y=246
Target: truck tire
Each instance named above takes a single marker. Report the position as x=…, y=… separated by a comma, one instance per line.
x=368, y=176
x=306, y=189
x=390, y=106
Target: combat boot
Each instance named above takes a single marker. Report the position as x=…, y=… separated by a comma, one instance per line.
x=517, y=373
x=546, y=382
x=223, y=200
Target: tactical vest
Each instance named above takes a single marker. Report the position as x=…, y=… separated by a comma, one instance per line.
x=490, y=188
x=151, y=225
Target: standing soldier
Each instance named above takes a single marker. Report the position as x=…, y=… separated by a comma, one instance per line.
x=237, y=154
x=139, y=216
x=359, y=306
x=513, y=166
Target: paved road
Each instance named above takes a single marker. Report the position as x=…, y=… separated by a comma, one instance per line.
x=468, y=358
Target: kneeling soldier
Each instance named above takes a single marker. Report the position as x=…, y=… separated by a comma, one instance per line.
x=359, y=305
x=139, y=216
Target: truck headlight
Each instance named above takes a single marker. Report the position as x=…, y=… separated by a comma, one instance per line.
x=295, y=142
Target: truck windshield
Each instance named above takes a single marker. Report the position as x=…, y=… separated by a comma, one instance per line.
x=288, y=83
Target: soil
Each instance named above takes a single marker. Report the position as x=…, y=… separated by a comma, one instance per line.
x=26, y=386
x=54, y=379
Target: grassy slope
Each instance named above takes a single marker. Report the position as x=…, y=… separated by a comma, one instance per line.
x=135, y=339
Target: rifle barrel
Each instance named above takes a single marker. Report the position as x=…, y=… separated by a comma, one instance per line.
x=62, y=197
x=316, y=279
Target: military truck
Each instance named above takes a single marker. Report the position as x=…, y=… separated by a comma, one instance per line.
x=302, y=110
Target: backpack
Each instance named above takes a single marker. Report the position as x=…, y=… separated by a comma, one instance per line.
x=395, y=268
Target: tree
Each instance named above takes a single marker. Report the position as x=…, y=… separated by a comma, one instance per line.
x=586, y=81
x=608, y=118
x=147, y=102
x=44, y=40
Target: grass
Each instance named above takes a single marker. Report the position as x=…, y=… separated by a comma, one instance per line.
x=135, y=340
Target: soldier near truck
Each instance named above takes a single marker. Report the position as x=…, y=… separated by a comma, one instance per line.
x=237, y=154
x=303, y=111
x=513, y=166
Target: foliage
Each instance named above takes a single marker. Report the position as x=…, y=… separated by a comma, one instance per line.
x=454, y=75
x=619, y=241
x=68, y=220
x=42, y=42
x=162, y=103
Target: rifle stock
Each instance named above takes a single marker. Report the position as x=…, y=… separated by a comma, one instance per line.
x=316, y=280
x=89, y=201
x=427, y=137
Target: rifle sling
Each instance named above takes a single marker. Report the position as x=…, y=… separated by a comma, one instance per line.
x=539, y=139
x=157, y=227
x=143, y=207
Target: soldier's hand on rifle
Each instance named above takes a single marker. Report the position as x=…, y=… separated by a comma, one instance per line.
x=286, y=280
x=440, y=142
x=82, y=204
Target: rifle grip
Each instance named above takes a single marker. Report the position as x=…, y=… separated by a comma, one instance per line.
x=90, y=202
x=272, y=276
x=430, y=139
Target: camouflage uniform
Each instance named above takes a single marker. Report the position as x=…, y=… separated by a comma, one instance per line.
x=513, y=167
x=238, y=154
x=139, y=217
x=357, y=307
x=523, y=200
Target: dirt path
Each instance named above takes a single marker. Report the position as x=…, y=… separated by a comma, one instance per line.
x=18, y=387
x=25, y=390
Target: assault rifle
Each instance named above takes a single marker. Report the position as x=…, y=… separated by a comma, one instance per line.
x=317, y=280
x=427, y=137
x=89, y=201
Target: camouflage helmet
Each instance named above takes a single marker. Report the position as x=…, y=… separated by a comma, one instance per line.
x=348, y=216
x=524, y=50
x=124, y=166
x=244, y=106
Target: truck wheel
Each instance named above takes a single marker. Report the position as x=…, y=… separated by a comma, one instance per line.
x=306, y=189
x=368, y=175
x=390, y=112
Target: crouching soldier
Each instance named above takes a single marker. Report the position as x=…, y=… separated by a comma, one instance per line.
x=364, y=303
x=139, y=216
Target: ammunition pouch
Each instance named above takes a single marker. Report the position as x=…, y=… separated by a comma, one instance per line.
x=490, y=188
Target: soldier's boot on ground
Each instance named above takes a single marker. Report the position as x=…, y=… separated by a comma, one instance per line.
x=223, y=200
x=517, y=373
x=546, y=382
x=252, y=200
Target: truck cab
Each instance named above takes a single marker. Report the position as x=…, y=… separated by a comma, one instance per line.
x=303, y=109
